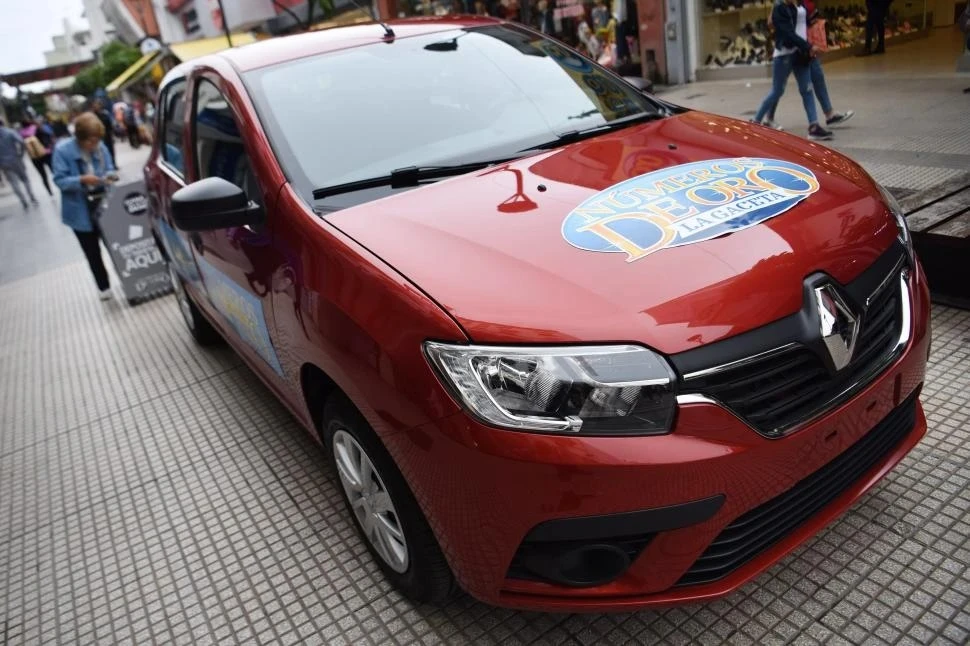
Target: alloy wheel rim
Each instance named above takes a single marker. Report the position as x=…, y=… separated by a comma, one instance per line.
x=183, y=299
x=370, y=501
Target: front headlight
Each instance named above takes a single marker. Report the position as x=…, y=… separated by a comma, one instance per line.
x=904, y=235
x=590, y=390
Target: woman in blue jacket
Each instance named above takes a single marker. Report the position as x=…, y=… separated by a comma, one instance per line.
x=793, y=54
x=82, y=169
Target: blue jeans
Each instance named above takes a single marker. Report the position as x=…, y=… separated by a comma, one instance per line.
x=781, y=68
x=818, y=84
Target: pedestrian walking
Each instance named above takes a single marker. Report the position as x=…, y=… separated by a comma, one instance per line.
x=107, y=122
x=37, y=150
x=876, y=11
x=832, y=118
x=83, y=168
x=12, y=163
x=792, y=55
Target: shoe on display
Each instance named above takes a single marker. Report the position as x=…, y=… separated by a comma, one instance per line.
x=105, y=294
x=839, y=118
x=818, y=133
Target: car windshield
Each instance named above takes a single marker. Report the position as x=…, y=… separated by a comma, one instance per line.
x=452, y=97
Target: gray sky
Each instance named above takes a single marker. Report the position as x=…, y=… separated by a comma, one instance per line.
x=26, y=27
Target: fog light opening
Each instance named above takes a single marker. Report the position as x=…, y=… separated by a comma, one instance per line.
x=593, y=565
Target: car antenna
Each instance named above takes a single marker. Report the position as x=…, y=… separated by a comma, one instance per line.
x=388, y=32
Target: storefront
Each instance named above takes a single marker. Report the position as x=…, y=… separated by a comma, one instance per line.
x=734, y=40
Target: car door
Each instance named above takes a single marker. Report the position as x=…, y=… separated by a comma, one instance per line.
x=236, y=264
x=167, y=175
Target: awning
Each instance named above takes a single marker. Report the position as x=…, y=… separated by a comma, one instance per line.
x=135, y=72
x=190, y=49
x=44, y=73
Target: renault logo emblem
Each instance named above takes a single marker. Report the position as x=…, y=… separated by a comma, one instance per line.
x=839, y=326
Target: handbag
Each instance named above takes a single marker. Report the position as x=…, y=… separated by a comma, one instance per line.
x=816, y=35
x=93, y=196
x=801, y=58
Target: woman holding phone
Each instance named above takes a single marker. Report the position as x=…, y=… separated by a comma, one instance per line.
x=83, y=169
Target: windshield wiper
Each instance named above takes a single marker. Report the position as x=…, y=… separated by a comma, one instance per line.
x=575, y=135
x=406, y=177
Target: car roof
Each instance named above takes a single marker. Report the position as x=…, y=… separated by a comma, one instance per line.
x=287, y=48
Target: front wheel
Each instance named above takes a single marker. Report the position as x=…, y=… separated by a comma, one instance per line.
x=385, y=511
x=202, y=331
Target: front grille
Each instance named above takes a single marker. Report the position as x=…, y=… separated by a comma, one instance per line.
x=780, y=390
x=762, y=527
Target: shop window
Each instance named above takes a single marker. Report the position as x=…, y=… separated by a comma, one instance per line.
x=735, y=33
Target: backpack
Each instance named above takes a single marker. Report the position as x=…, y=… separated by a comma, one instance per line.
x=35, y=149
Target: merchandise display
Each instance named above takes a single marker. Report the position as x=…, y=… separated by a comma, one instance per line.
x=735, y=33
x=605, y=32
x=845, y=25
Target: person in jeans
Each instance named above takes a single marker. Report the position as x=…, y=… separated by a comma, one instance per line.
x=12, y=163
x=82, y=169
x=792, y=55
x=832, y=118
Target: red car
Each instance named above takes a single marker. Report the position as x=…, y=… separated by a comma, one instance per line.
x=568, y=346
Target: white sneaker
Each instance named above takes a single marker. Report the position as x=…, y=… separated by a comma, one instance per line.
x=106, y=294
x=768, y=123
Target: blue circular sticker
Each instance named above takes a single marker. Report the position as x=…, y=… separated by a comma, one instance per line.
x=686, y=204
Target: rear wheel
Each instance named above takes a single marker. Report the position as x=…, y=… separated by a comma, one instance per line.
x=385, y=511
x=202, y=331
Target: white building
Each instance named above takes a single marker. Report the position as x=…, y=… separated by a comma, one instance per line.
x=74, y=45
x=101, y=29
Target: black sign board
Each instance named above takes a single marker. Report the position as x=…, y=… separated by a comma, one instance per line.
x=126, y=232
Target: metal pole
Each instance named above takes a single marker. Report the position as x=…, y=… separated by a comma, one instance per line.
x=225, y=23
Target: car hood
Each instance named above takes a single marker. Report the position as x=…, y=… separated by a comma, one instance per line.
x=520, y=253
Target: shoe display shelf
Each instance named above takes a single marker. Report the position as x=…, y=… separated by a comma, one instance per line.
x=737, y=44
x=735, y=40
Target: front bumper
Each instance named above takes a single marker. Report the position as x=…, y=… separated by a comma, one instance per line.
x=484, y=490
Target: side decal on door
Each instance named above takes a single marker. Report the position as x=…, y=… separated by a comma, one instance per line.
x=243, y=311
x=178, y=252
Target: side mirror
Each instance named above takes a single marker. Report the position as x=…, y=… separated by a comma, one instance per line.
x=213, y=203
x=642, y=84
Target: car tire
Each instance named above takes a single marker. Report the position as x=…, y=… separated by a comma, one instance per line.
x=202, y=331
x=424, y=576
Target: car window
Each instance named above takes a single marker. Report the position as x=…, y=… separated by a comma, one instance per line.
x=219, y=146
x=173, y=118
x=450, y=97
